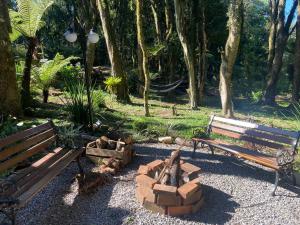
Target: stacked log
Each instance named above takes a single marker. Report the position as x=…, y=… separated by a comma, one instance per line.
x=110, y=154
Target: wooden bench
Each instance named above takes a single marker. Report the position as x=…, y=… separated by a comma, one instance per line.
x=268, y=146
x=36, y=145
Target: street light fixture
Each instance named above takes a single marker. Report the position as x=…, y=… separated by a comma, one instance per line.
x=92, y=38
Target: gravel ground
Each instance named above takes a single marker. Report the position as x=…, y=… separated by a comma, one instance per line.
x=235, y=193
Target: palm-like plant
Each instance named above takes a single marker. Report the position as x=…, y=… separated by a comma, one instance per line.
x=45, y=74
x=27, y=21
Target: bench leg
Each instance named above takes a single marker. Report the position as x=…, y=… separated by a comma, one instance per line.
x=195, y=144
x=276, y=183
x=211, y=149
x=81, y=171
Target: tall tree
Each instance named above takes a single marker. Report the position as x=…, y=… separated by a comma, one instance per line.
x=182, y=11
x=296, y=82
x=273, y=4
x=9, y=95
x=141, y=42
x=117, y=66
x=281, y=38
x=228, y=56
x=28, y=20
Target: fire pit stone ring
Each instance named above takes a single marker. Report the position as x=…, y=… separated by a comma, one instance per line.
x=165, y=199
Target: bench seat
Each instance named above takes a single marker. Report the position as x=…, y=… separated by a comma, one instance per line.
x=241, y=152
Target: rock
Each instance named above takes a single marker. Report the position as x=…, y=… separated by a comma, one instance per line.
x=165, y=140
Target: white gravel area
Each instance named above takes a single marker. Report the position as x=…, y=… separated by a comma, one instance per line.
x=236, y=192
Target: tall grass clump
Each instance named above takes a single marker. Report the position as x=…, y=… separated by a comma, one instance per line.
x=76, y=101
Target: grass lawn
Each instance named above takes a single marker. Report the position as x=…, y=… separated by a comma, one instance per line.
x=162, y=121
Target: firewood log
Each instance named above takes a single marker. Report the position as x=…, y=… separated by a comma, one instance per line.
x=111, y=145
x=102, y=142
x=120, y=144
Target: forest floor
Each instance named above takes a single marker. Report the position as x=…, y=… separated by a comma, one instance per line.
x=162, y=121
x=235, y=192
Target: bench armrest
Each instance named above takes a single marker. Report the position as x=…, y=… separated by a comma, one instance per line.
x=285, y=157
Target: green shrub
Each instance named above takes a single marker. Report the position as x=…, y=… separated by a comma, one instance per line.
x=76, y=101
x=256, y=96
x=111, y=83
x=8, y=126
x=140, y=125
x=98, y=97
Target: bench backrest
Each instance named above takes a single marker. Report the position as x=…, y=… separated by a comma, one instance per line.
x=271, y=137
x=23, y=145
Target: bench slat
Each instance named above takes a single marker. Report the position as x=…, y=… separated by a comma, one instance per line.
x=48, y=175
x=37, y=173
x=257, y=126
x=21, y=174
x=25, y=144
x=247, y=138
x=255, y=133
x=26, y=154
x=24, y=134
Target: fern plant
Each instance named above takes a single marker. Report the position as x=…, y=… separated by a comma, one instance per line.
x=26, y=21
x=45, y=74
x=111, y=83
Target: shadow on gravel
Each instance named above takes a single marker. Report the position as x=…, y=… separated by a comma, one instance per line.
x=217, y=209
x=65, y=207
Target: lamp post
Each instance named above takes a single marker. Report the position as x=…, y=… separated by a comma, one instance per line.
x=92, y=39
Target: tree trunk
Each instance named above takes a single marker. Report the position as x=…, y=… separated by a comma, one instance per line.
x=9, y=95
x=141, y=41
x=25, y=92
x=228, y=56
x=202, y=57
x=45, y=95
x=273, y=31
x=282, y=36
x=89, y=61
x=188, y=51
x=296, y=81
x=117, y=67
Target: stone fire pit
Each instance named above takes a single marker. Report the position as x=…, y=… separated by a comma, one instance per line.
x=166, y=199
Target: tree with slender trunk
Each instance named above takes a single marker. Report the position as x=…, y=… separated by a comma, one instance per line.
x=188, y=48
x=296, y=81
x=228, y=56
x=27, y=21
x=117, y=67
x=142, y=45
x=9, y=95
x=282, y=35
x=273, y=4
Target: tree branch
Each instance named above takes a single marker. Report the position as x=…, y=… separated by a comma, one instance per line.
x=291, y=16
x=293, y=29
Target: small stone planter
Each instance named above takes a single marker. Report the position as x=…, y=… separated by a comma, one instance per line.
x=165, y=199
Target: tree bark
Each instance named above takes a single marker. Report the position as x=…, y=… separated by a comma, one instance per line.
x=117, y=66
x=202, y=56
x=188, y=51
x=25, y=92
x=282, y=36
x=228, y=56
x=273, y=31
x=9, y=95
x=141, y=41
x=296, y=81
